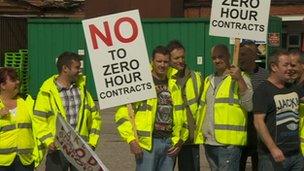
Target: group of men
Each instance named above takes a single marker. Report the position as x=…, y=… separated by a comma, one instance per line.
x=235, y=112
x=221, y=111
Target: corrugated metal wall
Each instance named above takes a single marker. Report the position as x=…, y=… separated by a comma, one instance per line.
x=13, y=35
x=49, y=38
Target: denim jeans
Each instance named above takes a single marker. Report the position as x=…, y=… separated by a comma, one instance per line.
x=188, y=158
x=291, y=163
x=156, y=159
x=223, y=158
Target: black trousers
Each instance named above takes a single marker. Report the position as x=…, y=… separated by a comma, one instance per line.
x=55, y=161
x=17, y=166
x=189, y=158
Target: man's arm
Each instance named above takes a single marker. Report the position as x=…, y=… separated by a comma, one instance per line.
x=42, y=111
x=94, y=135
x=125, y=130
x=264, y=134
x=245, y=88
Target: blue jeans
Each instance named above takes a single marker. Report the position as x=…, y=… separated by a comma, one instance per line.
x=156, y=159
x=55, y=161
x=188, y=158
x=223, y=158
x=291, y=163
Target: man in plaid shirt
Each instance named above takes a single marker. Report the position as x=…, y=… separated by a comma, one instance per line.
x=65, y=94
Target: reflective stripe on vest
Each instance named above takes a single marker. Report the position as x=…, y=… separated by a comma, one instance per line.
x=121, y=121
x=143, y=133
x=91, y=109
x=143, y=107
x=302, y=140
x=178, y=107
x=15, y=149
x=226, y=100
x=95, y=131
x=230, y=127
x=43, y=114
x=195, y=85
x=192, y=101
x=12, y=127
x=46, y=137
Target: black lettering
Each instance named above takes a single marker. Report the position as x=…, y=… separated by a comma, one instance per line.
x=109, y=81
x=126, y=90
x=225, y=3
x=118, y=80
x=102, y=95
x=262, y=28
x=106, y=72
x=132, y=89
x=234, y=4
x=244, y=14
x=244, y=2
x=225, y=12
x=254, y=5
x=244, y=27
x=238, y=26
x=134, y=64
x=123, y=54
x=112, y=54
x=115, y=68
x=124, y=66
x=128, y=78
x=253, y=14
x=214, y=23
x=138, y=87
x=234, y=13
x=250, y=27
x=149, y=86
x=136, y=75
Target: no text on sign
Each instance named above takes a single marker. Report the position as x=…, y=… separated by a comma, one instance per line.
x=119, y=59
x=247, y=19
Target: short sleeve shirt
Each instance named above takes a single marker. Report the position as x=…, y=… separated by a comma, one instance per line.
x=281, y=109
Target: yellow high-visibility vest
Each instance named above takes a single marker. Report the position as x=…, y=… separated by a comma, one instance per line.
x=145, y=113
x=230, y=119
x=16, y=135
x=49, y=104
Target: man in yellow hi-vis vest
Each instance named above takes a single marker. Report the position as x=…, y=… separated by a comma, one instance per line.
x=191, y=85
x=65, y=94
x=158, y=121
x=226, y=97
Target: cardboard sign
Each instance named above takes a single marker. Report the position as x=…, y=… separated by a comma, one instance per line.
x=247, y=19
x=119, y=59
x=75, y=149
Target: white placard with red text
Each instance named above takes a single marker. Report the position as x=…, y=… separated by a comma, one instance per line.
x=246, y=19
x=119, y=59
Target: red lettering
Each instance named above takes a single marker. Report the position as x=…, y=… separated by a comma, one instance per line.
x=94, y=32
x=134, y=28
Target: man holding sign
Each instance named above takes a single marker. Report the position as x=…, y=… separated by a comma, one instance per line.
x=65, y=95
x=226, y=98
x=158, y=121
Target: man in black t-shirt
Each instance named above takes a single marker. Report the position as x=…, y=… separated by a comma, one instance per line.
x=276, y=117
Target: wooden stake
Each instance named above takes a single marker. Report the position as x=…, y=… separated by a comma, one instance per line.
x=132, y=120
x=236, y=52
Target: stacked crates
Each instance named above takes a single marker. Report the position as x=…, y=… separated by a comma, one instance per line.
x=19, y=61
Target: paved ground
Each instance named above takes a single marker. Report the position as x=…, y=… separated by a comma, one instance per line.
x=114, y=152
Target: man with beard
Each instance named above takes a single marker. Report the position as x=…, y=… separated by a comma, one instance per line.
x=65, y=94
